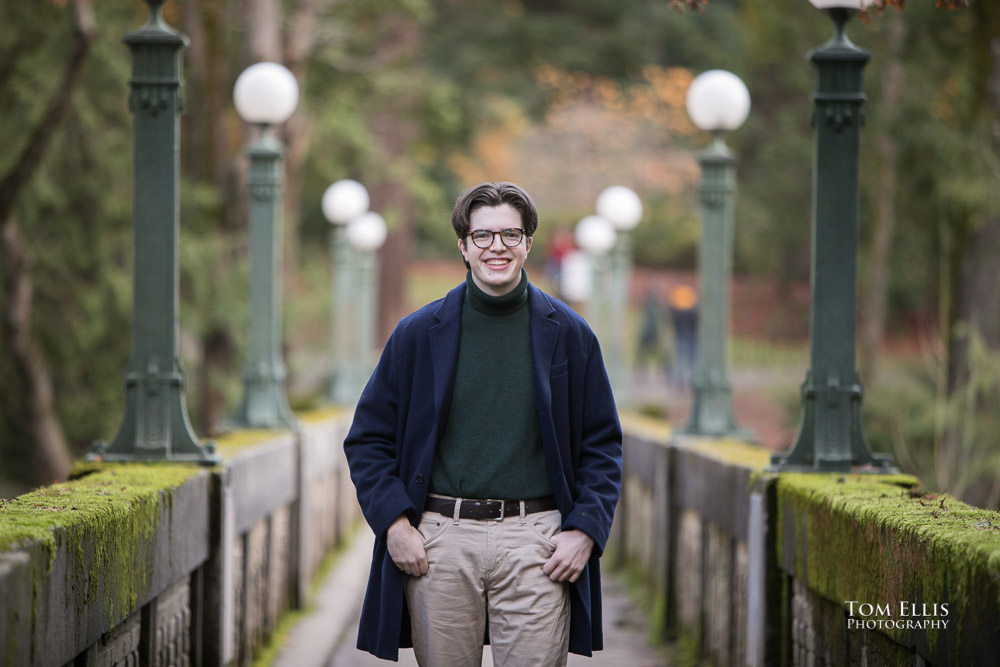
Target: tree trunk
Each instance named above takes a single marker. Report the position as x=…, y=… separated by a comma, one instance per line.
x=209, y=160
x=206, y=157
x=300, y=40
x=51, y=457
x=873, y=298
x=391, y=196
x=395, y=130
x=262, y=27
x=974, y=263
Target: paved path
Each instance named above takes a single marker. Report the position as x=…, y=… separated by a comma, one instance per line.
x=326, y=637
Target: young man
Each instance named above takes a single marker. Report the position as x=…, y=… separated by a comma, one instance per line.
x=486, y=453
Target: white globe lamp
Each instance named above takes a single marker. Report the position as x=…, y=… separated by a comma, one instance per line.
x=717, y=100
x=345, y=200
x=266, y=93
x=620, y=206
x=367, y=232
x=841, y=4
x=595, y=234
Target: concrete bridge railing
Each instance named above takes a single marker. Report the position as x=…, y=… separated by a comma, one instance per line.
x=178, y=565
x=750, y=568
x=170, y=564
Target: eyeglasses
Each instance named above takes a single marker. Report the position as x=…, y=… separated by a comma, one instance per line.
x=483, y=238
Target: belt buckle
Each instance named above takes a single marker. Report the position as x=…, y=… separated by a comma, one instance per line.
x=502, y=508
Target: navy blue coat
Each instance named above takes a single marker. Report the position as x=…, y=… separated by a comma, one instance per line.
x=401, y=415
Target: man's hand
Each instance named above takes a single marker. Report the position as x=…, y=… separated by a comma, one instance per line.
x=406, y=547
x=573, y=549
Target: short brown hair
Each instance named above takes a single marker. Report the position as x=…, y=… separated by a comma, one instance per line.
x=490, y=195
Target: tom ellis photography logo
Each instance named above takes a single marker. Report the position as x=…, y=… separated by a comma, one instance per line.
x=901, y=616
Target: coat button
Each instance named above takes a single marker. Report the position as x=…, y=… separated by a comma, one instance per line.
x=419, y=479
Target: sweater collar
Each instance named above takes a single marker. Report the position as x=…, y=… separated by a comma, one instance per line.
x=496, y=305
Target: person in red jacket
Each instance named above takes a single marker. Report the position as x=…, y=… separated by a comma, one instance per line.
x=486, y=454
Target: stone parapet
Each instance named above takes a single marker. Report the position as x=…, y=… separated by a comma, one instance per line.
x=172, y=564
x=753, y=568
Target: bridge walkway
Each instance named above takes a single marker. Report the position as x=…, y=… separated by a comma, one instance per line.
x=326, y=637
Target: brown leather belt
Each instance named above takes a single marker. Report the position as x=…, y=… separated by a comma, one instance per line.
x=488, y=509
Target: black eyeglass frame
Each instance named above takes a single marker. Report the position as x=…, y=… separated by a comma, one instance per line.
x=493, y=235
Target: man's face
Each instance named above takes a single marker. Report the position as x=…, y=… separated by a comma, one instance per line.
x=495, y=269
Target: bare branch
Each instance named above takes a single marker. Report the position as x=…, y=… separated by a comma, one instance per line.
x=85, y=28
x=50, y=452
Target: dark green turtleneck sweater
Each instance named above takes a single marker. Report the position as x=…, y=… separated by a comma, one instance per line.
x=492, y=446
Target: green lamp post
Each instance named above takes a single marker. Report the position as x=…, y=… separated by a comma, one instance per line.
x=621, y=207
x=717, y=102
x=265, y=95
x=366, y=234
x=831, y=437
x=343, y=201
x=596, y=237
x=156, y=424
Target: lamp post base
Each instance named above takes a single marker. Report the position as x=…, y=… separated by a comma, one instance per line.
x=829, y=440
x=712, y=413
x=346, y=384
x=264, y=405
x=156, y=426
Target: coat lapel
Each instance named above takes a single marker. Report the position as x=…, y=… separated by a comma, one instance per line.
x=444, y=352
x=544, y=334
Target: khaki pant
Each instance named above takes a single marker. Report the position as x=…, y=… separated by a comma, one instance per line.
x=488, y=569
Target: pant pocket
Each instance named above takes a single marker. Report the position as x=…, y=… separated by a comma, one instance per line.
x=432, y=526
x=545, y=526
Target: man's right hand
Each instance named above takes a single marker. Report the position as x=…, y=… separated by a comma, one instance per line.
x=406, y=547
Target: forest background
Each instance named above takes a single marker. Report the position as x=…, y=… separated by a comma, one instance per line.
x=418, y=99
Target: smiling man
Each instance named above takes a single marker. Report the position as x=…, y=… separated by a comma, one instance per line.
x=486, y=454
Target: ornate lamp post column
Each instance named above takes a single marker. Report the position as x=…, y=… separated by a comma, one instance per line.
x=343, y=201
x=717, y=101
x=156, y=424
x=622, y=208
x=831, y=437
x=596, y=237
x=265, y=94
x=366, y=234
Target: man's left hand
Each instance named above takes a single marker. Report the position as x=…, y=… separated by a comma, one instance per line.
x=573, y=549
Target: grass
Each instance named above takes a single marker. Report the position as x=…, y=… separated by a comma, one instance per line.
x=769, y=354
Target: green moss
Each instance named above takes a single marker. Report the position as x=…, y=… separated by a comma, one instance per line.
x=320, y=414
x=879, y=539
x=85, y=502
x=650, y=601
x=642, y=425
x=286, y=623
x=106, y=520
x=235, y=442
x=686, y=651
x=731, y=450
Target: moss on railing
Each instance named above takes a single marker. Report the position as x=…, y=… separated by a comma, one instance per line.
x=105, y=518
x=879, y=539
x=732, y=450
x=103, y=493
x=657, y=430
x=320, y=414
x=233, y=442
